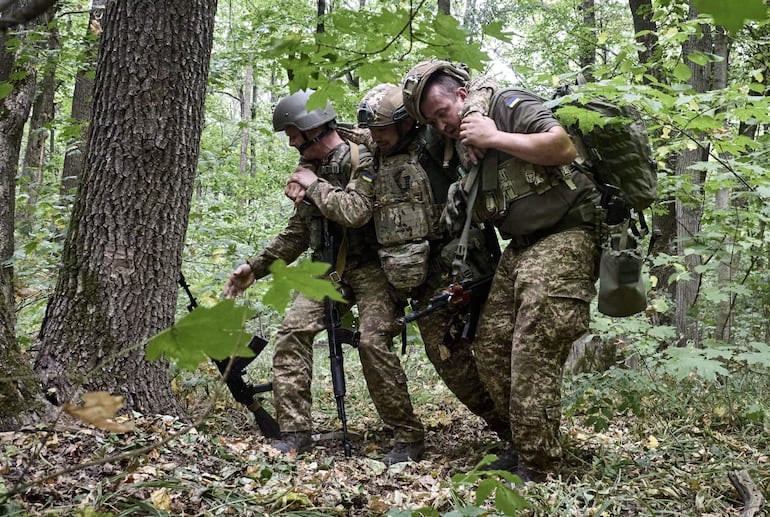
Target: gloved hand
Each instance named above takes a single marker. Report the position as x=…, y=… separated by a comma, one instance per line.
x=453, y=215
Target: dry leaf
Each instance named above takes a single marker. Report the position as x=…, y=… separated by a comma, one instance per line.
x=161, y=500
x=98, y=409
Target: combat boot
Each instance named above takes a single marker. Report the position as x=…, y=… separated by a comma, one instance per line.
x=403, y=451
x=507, y=459
x=299, y=441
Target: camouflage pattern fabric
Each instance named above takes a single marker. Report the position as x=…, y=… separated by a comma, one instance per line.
x=477, y=104
x=456, y=365
x=344, y=197
x=385, y=379
x=538, y=305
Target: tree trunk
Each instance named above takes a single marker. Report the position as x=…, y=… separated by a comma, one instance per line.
x=587, y=41
x=641, y=12
x=19, y=391
x=245, y=101
x=117, y=284
x=689, y=216
x=42, y=113
x=82, y=100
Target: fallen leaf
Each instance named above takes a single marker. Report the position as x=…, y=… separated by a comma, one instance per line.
x=98, y=409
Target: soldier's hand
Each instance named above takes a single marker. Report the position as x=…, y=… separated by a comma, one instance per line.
x=295, y=192
x=476, y=130
x=453, y=215
x=241, y=278
x=304, y=176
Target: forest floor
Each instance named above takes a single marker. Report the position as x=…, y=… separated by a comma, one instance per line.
x=653, y=464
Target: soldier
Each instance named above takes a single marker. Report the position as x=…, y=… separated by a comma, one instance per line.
x=414, y=173
x=539, y=299
x=333, y=196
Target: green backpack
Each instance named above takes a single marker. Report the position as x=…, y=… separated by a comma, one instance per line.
x=613, y=145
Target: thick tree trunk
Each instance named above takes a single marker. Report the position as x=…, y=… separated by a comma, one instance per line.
x=82, y=101
x=19, y=391
x=122, y=256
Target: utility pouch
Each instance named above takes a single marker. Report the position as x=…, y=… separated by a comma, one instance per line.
x=405, y=265
x=621, y=286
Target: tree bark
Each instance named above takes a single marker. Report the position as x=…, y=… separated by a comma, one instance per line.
x=19, y=391
x=663, y=222
x=689, y=215
x=117, y=284
x=587, y=43
x=81, y=101
x=42, y=113
x=245, y=101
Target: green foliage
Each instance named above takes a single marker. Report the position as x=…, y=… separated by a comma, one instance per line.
x=215, y=332
x=485, y=483
x=303, y=277
x=732, y=15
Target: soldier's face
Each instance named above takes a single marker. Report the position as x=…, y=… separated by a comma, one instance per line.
x=297, y=139
x=385, y=137
x=442, y=109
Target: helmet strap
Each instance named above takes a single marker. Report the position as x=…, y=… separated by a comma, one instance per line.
x=312, y=141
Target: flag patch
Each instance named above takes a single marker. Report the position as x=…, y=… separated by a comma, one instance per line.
x=512, y=102
x=367, y=177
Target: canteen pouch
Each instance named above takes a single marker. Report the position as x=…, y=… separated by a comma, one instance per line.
x=621, y=286
x=405, y=265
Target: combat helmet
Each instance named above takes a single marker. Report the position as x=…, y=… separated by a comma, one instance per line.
x=292, y=111
x=415, y=81
x=383, y=105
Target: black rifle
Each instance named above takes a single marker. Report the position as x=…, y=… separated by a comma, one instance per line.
x=468, y=296
x=242, y=391
x=337, y=335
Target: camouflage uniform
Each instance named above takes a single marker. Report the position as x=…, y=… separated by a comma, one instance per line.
x=410, y=192
x=347, y=203
x=539, y=299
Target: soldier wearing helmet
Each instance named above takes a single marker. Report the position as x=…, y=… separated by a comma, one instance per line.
x=333, y=195
x=413, y=175
x=539, y=299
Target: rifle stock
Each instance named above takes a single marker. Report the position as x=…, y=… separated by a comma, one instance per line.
x=233, y=369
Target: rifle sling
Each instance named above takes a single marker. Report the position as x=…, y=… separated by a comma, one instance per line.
x=339, y=266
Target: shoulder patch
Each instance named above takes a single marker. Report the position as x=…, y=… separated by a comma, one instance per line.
x=512, y=102
x=367, y=176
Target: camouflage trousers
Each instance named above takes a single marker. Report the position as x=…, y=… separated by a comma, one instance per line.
x=538, y=305
x=456, y=365
x=385, y=379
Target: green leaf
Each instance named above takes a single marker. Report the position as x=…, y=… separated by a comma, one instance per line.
x=215, y=332
x=304, y=277
x=485, y=488
x=5, y=89
x=731, y=14
x=509, y=500
x=495, y=30
x=682, y=72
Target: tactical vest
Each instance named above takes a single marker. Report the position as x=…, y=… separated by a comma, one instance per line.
x=406, y=212
x=522, y=198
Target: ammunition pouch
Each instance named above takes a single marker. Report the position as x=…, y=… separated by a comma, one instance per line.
x=405, y=265
x=479, y=261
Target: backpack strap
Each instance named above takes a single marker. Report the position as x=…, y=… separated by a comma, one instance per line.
x=461, y=254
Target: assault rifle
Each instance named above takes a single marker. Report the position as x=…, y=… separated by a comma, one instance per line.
x=468, y=294
x=234, y=368
x=337, y=335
